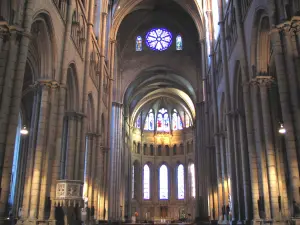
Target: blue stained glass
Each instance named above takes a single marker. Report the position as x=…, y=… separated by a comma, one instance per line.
x=159, y=39
x=178, y=43
x=139, y=44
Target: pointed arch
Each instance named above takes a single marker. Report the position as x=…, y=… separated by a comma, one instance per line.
x=163, y=182
x=146, y=182
x=90, y=114
x=72, y=98
x=180, y=182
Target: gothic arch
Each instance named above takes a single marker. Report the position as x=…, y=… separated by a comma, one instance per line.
x=44, y=44
x=131, y=4
x=90, y=114
x=72, y=96
x=260, y=42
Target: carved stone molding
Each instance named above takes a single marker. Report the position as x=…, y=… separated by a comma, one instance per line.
x=69, y=193
x=292, y=25
x=266, y=81
x=45, y=83
x=74, y=115
x=104, y=149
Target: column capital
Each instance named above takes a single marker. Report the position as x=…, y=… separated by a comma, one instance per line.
x=45, y=83
x=113, y=41
x=7, y=31
x=92, y=135
x=74, y=115
x=104, y=149
x=221, y=134
x=118, y=104
x=233, y=113
x=292, y=25
x=263, y=81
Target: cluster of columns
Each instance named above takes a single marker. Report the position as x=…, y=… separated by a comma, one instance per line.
x=44, y=162
x=250, y=160
x=118, y=173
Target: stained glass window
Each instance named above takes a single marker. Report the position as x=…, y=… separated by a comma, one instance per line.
x=163, y=122
x=187, y=121
x=146, y=127
x=151, y=120
x=192, y=180
x=159, y=39
x=180, y=180
x=146, y=182
x=132, y=182
x=163, y=183
x=139, y=44
x=176, y=121
x=178, y=43
x=138, y=122
x=149, y=123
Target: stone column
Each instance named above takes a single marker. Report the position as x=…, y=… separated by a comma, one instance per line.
x=269, y=141
x=40, y=150
x=115, y=163
x=224, y=172
x=244, y=165
x=290, y=60
x=50, y=140
x=110, y=122
x=260, y=149
x=90, y=169
x=31, y=149
x=201, y=166
x=71, y=146
x=231, y=166
x=278, y=52
x=237, y=163
x=8, y=119
x=241, y=43
x=61, y=100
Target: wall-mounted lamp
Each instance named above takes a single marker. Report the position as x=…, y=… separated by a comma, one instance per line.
x=282, y=130
x=24, y=131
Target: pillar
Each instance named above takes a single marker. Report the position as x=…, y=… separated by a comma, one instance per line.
x=269, y=142
x=39, y=150
x=260, y=150
x=278, y=52
x=115, y=162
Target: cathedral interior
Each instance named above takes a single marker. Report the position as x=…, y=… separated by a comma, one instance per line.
x=150, y=111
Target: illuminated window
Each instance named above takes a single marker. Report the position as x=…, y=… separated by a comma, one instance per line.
x=146, y=182
x=163, y=122
x=192, y=180
x=138, y=122
x=139, y=44
x=159, y=39
x=149, y=123
x=180, y=180
x=179, y=43
x=163, y=183
x=176, y=121
x=187, y=121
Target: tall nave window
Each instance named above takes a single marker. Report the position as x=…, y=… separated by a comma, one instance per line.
x=192, y=180
x=149, y=122
x=146, y=182
x=163, y=122
x=180, y=181
x=176, y=121
x=163, y=183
